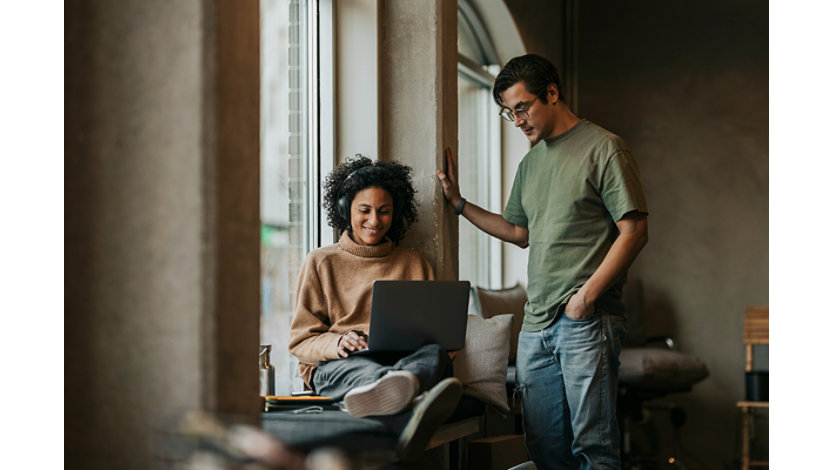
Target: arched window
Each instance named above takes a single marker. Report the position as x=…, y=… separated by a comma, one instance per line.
x=479, y=152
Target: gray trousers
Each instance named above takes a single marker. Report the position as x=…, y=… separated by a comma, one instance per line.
x=335, y=378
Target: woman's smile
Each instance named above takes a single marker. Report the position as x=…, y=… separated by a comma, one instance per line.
x=371, y=215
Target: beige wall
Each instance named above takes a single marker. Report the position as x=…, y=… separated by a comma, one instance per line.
x=687, y=87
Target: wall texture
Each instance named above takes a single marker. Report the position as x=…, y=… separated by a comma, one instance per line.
x=417, y=53
x=161, y=233
x=686, y=85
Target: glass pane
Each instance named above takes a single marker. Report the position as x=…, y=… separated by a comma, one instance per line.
x=284, y=179
x=473, y=166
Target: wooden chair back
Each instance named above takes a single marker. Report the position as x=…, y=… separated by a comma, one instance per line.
x=756, y=331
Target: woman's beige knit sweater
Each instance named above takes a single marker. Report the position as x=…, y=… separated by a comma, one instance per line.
x=334, y=294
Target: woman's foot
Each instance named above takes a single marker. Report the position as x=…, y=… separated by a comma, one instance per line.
x=388, y=395
x=433, y=408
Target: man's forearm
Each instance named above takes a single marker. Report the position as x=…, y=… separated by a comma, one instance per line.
x=622, y=253
x=489, y=222
x=495, y=225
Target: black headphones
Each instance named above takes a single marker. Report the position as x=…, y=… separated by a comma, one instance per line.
x=343, y=204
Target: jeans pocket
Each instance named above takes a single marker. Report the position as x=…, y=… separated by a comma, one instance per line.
x=591, y=318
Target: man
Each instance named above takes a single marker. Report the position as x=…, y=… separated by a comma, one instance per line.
x=578, y=202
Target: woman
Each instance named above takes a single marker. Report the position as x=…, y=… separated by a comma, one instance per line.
x=372, y=205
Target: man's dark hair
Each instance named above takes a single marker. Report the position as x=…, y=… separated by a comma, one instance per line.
x=534, y=70
x=345, y=181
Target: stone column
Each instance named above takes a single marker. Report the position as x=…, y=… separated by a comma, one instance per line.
x=418, y=113
x=162, y=223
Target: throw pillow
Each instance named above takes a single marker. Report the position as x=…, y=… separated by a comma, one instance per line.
x=482, y=363
x=499, y=301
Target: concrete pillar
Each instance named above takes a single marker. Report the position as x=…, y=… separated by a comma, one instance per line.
x=162, y=223
x=418, y=113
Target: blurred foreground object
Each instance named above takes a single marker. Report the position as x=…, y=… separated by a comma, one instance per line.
x=240, y=446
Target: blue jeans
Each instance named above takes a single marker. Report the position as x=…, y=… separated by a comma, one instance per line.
x=567, y=378
x=335, y=378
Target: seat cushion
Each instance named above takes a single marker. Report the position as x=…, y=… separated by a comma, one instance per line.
x=328, y=428
x=482, y=363
x=336, y=428
x=660, y=369
x=494, y=302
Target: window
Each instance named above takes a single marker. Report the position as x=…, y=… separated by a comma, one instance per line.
x=479, y=157
x=296, y=111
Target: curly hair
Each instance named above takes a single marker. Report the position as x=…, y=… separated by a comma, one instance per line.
x=391, y=176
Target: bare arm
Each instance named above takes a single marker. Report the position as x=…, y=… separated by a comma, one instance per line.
x=634, y=234
x=489, y=222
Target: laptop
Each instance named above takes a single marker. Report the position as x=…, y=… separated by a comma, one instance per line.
x=406, y=315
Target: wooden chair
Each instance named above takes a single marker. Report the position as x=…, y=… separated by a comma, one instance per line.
x=756, y=332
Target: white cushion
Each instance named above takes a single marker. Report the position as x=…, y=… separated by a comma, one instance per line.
x=482, y=363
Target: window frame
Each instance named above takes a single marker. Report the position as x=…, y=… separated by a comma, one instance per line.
x=321, y=86
x=311, y=122
x=491, y=273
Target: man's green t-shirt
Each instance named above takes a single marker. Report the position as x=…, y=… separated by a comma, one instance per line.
x=569, y=191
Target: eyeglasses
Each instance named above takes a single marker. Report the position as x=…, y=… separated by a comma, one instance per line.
x=509, y=114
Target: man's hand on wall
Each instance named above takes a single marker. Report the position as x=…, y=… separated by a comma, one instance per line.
x=449, y=180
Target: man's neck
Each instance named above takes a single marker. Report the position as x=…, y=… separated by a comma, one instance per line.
x=565, y=120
